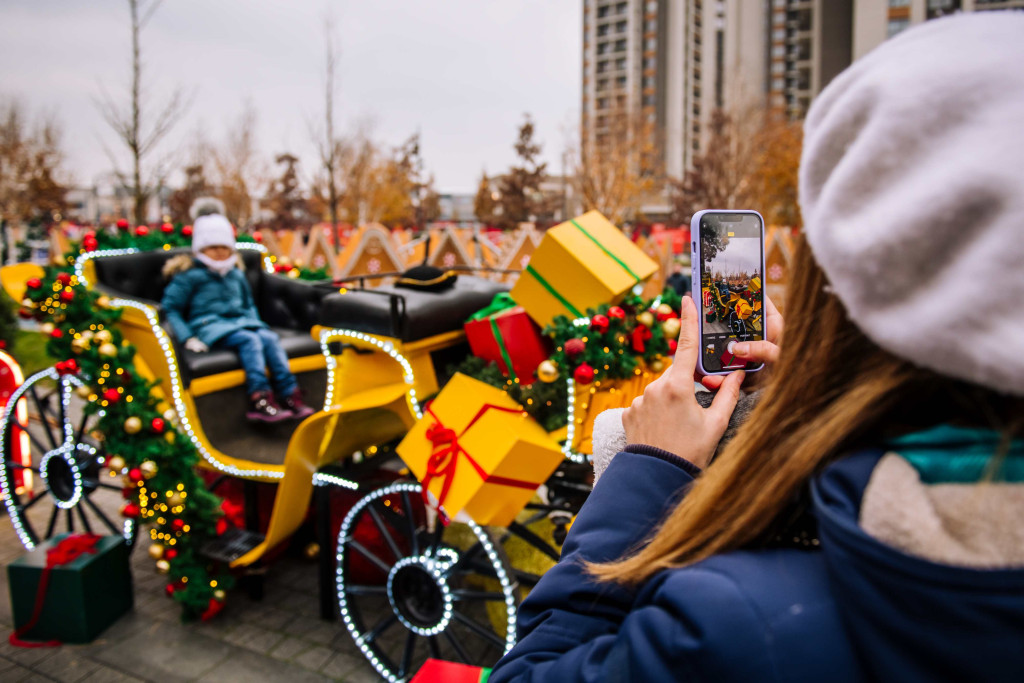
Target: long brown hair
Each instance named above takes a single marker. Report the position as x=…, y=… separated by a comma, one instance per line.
x=831, y=391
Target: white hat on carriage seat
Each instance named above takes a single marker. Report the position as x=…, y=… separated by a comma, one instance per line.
x=212, y=230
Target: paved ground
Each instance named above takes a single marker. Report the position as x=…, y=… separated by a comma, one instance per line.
x=280, y=638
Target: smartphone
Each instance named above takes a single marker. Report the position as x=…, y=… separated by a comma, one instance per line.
x=727, y=257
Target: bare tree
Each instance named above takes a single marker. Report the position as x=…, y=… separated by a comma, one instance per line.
x=240, y=168
x=132, y=123
x=329, y=147
x=619, y=166
x=32, y=183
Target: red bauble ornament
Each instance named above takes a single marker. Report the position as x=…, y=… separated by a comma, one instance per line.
x=90, y=243
x=122, y=223
x=282, y=268
x=66, y=367
x=170, y=554
x=3, y=344
x=584, y=374
x=666, y=315
x=142, y=231
x=130, y=510
x=67, y=295
x=672, y=345
x=33, y=283
x=599, y=323
x=128, y=493
x=212, y=609
x=574, y=347
x=178, y=524
x=640, y=336
x=57, y=333
x=135, y=474
x=257, y=237
x=112, y=395
x=25, y=313
x=187, y=231
x=64, y=279
x=616, y=313
x=167, y=228
x=157, y=425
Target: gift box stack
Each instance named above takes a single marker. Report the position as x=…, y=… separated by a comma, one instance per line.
x=475, y=450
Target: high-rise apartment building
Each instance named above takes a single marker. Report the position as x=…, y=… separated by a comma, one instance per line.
x=650, y=59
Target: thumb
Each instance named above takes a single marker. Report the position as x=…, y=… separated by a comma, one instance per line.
x=726, y=398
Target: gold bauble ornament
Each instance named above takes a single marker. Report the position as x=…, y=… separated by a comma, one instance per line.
x=103, y=337
x=98, y=436
x=133, y=425
x=219, y=595
x=156, y=551
x=28, y=303
x=657, y=365
x=646, y=319
x=87, y=335
x=79, y=345
x=46, y=328
x=293, y=273
x=83, y=391
x=108, y=350
x=176, y=499
x=665, y=309
x=169, y=415
x=115, y=463
x=163, y=566
x=671, y=328
x=103, y=302
x=311, y=551
x=149, y=469
x=547, y=372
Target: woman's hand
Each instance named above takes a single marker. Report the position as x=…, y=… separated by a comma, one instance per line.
x=668, y=416
x=765, y=351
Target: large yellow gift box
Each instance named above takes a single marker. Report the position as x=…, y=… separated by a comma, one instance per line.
x=475, y=449
x=580, y=264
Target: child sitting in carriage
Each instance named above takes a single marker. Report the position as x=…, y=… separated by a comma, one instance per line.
x=209, y=305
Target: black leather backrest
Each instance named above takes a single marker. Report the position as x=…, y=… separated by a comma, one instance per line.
x=281, y=302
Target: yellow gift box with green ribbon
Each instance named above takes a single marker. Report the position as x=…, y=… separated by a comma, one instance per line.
x=580, y=264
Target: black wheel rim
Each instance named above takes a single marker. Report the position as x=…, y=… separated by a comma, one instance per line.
x=52, y=477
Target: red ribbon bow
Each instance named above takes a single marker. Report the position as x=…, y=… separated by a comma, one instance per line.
x=445, y=455
x=68, y=550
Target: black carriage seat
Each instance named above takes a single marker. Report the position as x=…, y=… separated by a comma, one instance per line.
x=408, y=314
x=289, y=307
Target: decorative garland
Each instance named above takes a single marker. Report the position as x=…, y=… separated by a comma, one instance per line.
x=610, y=344
x=157, y=463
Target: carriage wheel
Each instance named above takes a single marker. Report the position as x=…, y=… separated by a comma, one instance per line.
x=425, y=589
x=52, y=479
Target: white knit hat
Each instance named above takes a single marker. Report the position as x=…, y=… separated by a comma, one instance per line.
x=212, y=230
x=912, y=191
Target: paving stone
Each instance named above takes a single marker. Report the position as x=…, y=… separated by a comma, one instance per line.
x=106, y=674
x=247, y=667
x=289, y=648
x=166, y=652
x=20, y=674
x=254, y=638
x=324, y=632
x=68, y=664
x=341, y=664
x=314, y=658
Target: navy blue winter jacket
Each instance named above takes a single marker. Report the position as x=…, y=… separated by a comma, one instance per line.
x=855, y=610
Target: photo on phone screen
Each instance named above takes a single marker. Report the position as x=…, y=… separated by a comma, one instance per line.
x=731, y=287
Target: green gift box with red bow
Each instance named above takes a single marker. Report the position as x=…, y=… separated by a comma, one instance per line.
x=72, y=587
x=504, y=334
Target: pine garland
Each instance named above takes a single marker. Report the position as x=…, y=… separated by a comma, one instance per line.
x=162, y=488
x=618, y=338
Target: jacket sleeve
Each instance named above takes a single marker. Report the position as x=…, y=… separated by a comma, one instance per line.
x=175, y=303
x=247, y=298
x=572, y=628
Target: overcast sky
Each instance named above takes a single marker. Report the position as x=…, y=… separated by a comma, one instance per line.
x=742, y=255
x=462, y=72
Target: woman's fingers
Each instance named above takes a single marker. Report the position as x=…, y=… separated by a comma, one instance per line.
x=757, y=351
x=773, y=321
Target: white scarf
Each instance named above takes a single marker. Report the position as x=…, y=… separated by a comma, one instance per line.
x=222, y=268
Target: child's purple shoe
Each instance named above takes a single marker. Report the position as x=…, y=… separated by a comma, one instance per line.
x=295, y=406
x=263, y=408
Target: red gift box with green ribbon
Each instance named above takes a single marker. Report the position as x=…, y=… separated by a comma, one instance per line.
x=440, y=671
x=504, y=334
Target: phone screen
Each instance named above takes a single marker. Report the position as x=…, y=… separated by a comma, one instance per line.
x=731, y=287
